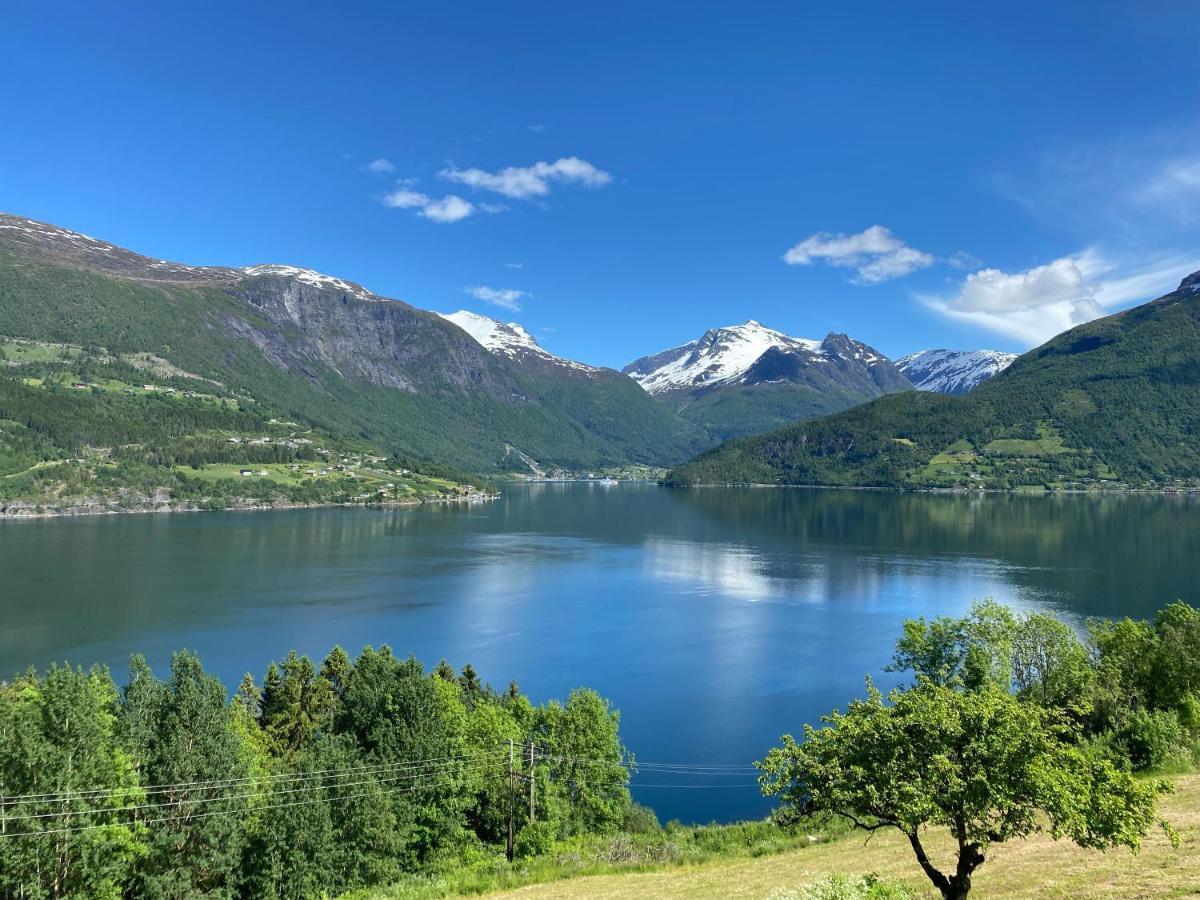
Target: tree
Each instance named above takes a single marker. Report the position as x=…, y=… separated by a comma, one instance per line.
x=587, y=765
x=184, y=732
x=968, y=652
x=980, y=763
x=297, y=704
x=1051, y=666
x=58, y=739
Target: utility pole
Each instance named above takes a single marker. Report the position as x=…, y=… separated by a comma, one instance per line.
x=512, y=800
x=532, y=788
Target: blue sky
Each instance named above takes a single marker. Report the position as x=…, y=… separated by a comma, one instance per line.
x=619, y=177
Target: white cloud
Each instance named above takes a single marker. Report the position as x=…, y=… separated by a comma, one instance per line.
x=405, y=198
x=875, y=254
x=514, y=265
x=506, y=298
x=536, y=129
x=524, y=182
x=450, y=208
x=1034, y=305
x=381, y=166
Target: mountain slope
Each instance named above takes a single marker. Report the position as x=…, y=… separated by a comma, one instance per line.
x=329, y=352
x=1114, y=401
x=952, y=371
x=747, y=378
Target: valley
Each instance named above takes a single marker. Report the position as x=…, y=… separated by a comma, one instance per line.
x=125, y=381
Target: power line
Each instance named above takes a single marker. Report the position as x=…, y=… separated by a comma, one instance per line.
x=101, y=793
x=433, y=771
x=204, y=815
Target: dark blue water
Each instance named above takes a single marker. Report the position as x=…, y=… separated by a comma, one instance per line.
x=714, y=619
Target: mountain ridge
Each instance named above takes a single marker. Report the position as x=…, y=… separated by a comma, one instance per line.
x=953, y=371
x=1111, y=403
x=330, y=351
x=742, y=379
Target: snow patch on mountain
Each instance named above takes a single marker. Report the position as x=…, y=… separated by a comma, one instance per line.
x=952, y=371
x=311, y=277
x=726, y=355
x=720, y=355
x=507, y=338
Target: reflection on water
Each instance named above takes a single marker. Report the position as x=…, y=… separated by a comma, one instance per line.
x=716, y=619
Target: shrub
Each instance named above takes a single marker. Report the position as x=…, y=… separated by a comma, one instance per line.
x=1152, y=739
x=534, y=839
x=640, y=820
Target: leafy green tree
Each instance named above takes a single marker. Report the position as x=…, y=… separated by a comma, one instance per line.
x=57, y=738
x=980, y=763
x=969, y=652
x=587, y=765
x=1051, y=666
x=183, y=730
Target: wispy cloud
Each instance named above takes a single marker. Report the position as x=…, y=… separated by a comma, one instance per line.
x=526, y=182
x=1035, y=304
x=514, y=265
x=537, y=128
x=1172, y=189
x=450, y=208
x=1140, y=191
x=875, y=254
x=380, y=166
x=505, y=298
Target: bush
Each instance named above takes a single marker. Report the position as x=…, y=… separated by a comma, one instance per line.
x=1152, y=739
x=640, y=820
x=534, y=839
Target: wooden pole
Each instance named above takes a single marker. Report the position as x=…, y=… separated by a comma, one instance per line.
x=512, y=800
x=532, y=787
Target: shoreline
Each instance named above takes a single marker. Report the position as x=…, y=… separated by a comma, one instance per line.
x=23, y=510
x=1111, y=492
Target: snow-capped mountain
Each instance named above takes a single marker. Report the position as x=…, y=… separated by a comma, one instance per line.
x=746, y=378
x=508, y=339
x=735, y=355
x=952, y=371
x=720, y=355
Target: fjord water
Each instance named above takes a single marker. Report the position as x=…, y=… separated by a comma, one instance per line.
x=715, y=619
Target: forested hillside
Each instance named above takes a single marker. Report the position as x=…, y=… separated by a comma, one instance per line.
x=329, y=354
x=1115, y=402
x=314, y=780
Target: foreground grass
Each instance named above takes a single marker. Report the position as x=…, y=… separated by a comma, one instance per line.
x=1039, y=867
x=756, y=867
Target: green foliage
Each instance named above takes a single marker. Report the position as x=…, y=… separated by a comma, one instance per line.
x=1115, y=400
x=979, y=762
x=58, y=738
x=420, y=407
x=317, y=782
x=971, y=652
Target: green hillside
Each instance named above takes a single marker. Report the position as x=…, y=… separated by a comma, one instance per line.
x=1115, y=402
x=322, y=353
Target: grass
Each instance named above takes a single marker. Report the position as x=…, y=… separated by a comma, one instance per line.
x=22, y=352
x=361, y=477
x=1048, y=443
x=1034, y=868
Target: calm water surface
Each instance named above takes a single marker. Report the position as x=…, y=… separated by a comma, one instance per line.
x=715, y=619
